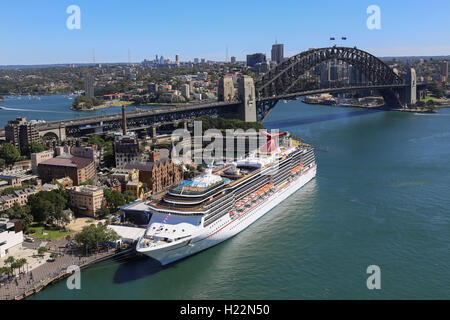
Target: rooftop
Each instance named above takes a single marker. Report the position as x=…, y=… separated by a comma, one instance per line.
x=67, y=160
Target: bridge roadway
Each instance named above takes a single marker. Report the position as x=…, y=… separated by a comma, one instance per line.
x=132, y=114
x=117, y=117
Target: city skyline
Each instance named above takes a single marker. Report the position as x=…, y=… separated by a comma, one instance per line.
x=140, y=31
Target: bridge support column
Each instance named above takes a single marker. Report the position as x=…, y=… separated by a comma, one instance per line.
x=247, y=109
x=411, y=90
x=62, y=133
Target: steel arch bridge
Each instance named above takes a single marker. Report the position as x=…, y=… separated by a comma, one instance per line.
x=282, y=81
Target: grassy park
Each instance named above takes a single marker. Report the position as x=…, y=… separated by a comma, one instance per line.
x=40, y=232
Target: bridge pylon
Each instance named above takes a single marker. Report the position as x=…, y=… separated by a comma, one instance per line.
x=411, y=90
x=247, y=108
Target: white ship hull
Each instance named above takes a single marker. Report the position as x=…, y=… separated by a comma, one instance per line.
x=226, y=227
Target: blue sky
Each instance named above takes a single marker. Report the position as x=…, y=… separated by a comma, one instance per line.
x=35, y=32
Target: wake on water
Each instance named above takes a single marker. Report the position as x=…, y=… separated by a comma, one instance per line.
x=31, y=110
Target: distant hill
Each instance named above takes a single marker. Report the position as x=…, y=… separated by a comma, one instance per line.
x=38, y=66
x=415, y=58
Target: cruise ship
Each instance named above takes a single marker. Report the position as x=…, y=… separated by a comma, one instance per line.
x=200, y=213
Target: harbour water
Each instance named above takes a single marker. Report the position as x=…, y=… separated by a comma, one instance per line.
x=381, y=197
x=48, y=108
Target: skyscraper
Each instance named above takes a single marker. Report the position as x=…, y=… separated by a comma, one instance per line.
x=89, y=87
x=444, y=68
x=277, y=52
x=177, y=59
x=255, y=58
x=233, y=59
x=20, y=133
x=444, y=71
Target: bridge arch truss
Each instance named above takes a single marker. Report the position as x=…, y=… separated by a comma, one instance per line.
x=282, y=80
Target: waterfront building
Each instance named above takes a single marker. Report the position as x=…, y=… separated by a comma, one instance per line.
x=11, y=235
x=226, y=89
x=39, y=157
x=89, y=87
x=126, y=148
x=123, y=176
x=20, y=133
x=86, y=200
x=135, y=188
x=66, y=165
x=158, y=173
x=277, y=52
x=253, y=59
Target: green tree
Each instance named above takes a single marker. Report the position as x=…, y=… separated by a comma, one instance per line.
x=21, y=212
x=42, y=250
x=10, y=260
x=54, y=255
x=128, y=197
x=93, y=235
x=103, y=212
x=6, y=270
x=33, y=147
x=9, y=153
x=114, y=199
x=47, y=207
x=89, y=182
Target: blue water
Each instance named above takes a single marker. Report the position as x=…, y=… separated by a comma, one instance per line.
x=48, y=108
x=381, y=197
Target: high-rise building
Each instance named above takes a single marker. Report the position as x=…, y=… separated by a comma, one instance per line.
x=89, y=87
x=185, y=91
x=233, y=59
x=20, y=133
x=444, y=68
x=152, y=88
x=225, y=89
x=255, y=58
x=196, y=60
x=177, y=59
x=126, y=149
x=444, y=71
x=277, y=52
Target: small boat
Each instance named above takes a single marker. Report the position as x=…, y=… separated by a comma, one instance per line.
x=1, y=108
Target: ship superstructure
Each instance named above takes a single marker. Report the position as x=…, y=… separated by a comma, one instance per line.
x=197, y=214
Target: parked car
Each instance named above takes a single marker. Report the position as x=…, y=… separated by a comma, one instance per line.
x=29, y=239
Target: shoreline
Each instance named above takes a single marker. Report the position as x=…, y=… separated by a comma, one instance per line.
x=380, y=107
x=61, y=273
